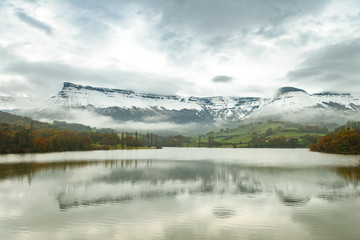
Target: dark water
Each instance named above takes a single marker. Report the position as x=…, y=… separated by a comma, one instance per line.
x=179, y=193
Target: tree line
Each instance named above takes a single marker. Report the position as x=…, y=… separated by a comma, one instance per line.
x=262, y=141
x=23, y=139
x=343, y=140
x=20, y=138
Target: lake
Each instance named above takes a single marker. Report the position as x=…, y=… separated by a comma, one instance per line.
x=180, y=193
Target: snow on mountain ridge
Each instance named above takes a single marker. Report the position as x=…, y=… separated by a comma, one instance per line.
x=13, y=102
x=299, y=104
x=81, y=96
x=73, y=95
x=287, y=90
x=125, y=104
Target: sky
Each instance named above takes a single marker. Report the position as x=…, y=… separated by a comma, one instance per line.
x=182, y=47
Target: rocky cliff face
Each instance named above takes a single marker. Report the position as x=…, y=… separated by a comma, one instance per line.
x=129, y=105
x=123, y=105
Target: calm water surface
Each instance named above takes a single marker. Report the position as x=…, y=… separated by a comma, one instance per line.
x=180, y=193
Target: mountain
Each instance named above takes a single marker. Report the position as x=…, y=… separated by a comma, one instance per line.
x=26, y=121
x=11, y=103
x=131, y=106
x=294, y=100
x=110, y=106
x=13, y=119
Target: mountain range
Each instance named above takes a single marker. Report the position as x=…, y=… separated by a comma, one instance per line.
x=120, y=106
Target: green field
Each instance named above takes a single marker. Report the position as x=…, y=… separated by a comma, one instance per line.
x=243, y=133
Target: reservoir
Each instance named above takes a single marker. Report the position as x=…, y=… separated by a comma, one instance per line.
x=180, y=193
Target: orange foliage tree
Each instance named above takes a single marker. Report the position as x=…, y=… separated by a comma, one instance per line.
x=343, y=141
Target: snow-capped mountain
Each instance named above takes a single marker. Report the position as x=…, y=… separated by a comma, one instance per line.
x=7, y=102
x=295, y=102
x=123, y=105
x=129, y=105
x=11, y=103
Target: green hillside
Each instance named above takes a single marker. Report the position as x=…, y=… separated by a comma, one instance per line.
x=259, y=134
x=26, y=121
x=15, y=119
x=244, y=134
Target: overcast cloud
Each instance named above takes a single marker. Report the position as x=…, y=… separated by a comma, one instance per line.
x=222, y=79
x=335, y=65
x=34, y=23
x=198, y=47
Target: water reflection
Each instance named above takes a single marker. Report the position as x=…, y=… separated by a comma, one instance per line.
x=21, y=170
x=350, y=173
x=224, y=212
x=164, y=179
x=199, y=199
x=29, y=169
x=126, y=180
x=292, y=199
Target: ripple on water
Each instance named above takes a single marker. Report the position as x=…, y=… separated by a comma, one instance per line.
x=181, y=193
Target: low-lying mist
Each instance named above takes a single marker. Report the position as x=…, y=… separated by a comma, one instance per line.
x=93, y=119
x=89, y=117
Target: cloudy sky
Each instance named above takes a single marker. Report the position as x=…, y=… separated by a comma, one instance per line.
x=185, y=47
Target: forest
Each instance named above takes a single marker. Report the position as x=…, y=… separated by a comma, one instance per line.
x=343, y=140
x=261, y=141
x=24, y=135
x=267, y=134
x=16, y=138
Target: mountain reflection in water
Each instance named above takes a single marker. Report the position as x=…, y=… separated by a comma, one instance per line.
x=192, y=193
x=127, y=180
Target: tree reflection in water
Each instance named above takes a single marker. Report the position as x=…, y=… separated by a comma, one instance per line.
x=30, y=169
x=350, y=173
x=126, y=180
